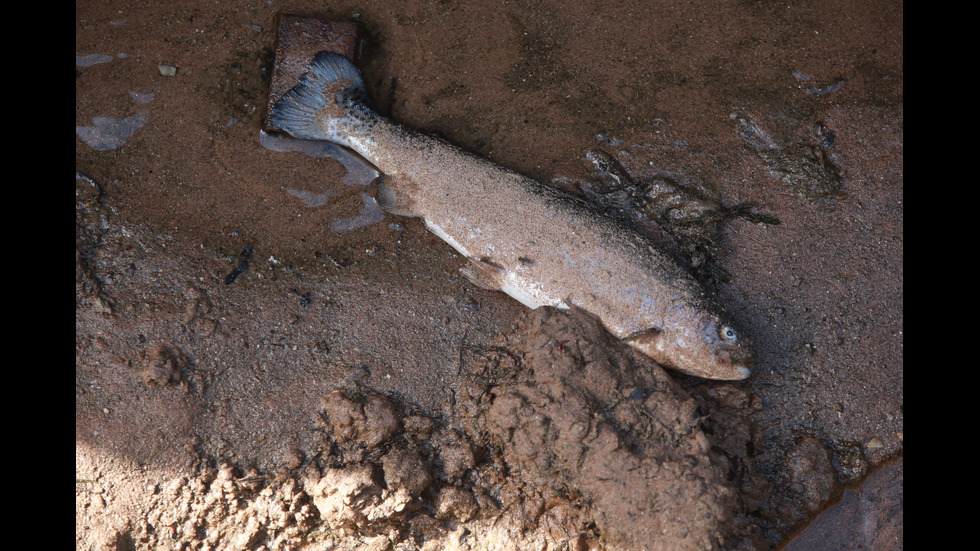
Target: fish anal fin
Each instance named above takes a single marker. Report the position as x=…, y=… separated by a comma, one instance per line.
x=484, y=273
x=394, y=197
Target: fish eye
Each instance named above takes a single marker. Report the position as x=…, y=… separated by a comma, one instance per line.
x=729, y=333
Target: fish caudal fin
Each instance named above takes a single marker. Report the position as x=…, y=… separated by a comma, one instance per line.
x=317, y=107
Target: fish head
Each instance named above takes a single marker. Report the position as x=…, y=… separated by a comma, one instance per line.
x=699, y=342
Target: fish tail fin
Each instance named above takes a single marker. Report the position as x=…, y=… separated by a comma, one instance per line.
x=320, y=106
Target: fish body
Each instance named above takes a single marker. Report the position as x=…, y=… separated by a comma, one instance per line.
x=535, y=243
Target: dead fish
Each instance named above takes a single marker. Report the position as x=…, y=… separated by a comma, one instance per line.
x=535, y=243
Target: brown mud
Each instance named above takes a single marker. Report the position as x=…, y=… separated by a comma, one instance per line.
x=256, y=370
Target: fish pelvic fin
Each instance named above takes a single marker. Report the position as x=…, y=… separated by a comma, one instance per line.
x=484, y=273
x=329, y=103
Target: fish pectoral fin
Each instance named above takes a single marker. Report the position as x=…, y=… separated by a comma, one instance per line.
x=484, y=273
x=645, y=338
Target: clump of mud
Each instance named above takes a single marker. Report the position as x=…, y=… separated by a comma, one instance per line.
x=389, y=472
x=164, y=365
x=559, y=438
x=582, y=422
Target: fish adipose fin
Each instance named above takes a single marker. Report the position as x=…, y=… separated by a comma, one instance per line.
x=318, y=107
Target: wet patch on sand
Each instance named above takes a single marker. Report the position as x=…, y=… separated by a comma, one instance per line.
x=678, y=215
x=799, y=152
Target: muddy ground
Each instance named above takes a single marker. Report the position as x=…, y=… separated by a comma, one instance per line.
x=266, y=361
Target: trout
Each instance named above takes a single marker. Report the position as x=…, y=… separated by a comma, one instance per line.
x=533, y=242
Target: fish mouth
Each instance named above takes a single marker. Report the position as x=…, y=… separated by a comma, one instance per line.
x=735, y=365
x=719, y=371
x=736, y=373
x=720, y=365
